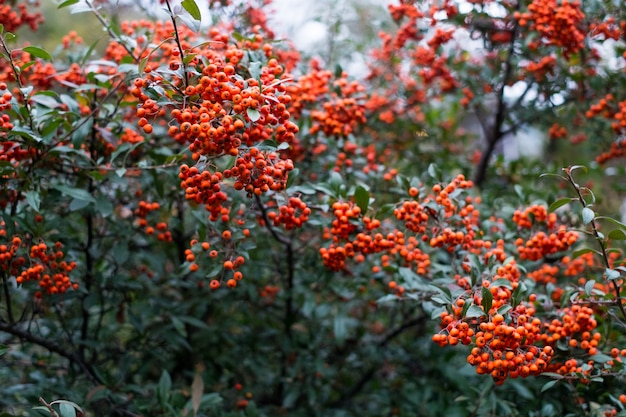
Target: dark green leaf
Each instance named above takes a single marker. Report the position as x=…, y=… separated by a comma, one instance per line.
x=600, y=358
x=38, y=52
x=76, y=193
x=33, y=199
x=487, y=299
x=164, y=387
x=549, y=385
x=3, y=349
x=559, y=203
x=474, y=311
x=362, y=198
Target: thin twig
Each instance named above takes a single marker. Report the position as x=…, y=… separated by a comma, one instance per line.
x=49, y=407
x=7, y=297
x=112, y=34
x=596, y=234
x=18, y=80
x=180, y=46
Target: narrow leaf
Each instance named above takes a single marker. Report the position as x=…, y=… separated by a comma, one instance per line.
x=558, y=203
x=67, y=3
x=38, y=52
x=584, y=251
x=362, y=198
x=76, y=193
x=549, y=385
x=487, y=299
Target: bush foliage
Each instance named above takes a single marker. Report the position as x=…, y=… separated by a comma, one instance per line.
x=198, y=221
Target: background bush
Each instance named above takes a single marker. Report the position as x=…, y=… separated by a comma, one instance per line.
x=197, y=220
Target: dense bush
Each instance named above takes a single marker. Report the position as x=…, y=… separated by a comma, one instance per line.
x=194, y=221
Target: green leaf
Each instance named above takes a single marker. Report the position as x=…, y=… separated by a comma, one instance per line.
x=67, y=3
x=362, y=198
x=588, y=215
x=255, y=70
x=38, y=52
x=67, y=405
x=66, y=410
x=474, y=311
x=611, y=274
x=76, y=193
x=33, y=199
x=192, y=9
x=340, y=329
x=617, y=234
x=3, y=349
x=434, y=172
x=253, y=114
x=502, y=282
x=164, y=387
x=487, y=299
x=575, y=167
x=504, y=309
x=584, y=251
x=612, y=220
x=559, y=203
x=589, y=286
x=600, y=358
x=549, y=385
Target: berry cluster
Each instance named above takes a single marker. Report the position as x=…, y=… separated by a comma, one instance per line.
x=144, y=208
x=257, y=172
x=27, y=260
x=13, y=16
x=558, y=23
x=292, y=215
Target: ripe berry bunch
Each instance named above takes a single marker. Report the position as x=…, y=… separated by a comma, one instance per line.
x=558, y=23
x=28, y=260
x=292, y=215
x=142, y=212
x=13, y=16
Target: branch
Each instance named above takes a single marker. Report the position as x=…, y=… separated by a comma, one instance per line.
x=496, y=131
x=51, y=347
x=596, y=234
x=180, y=46
x=112, y=34
x=7, y=297
x=369, y=374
